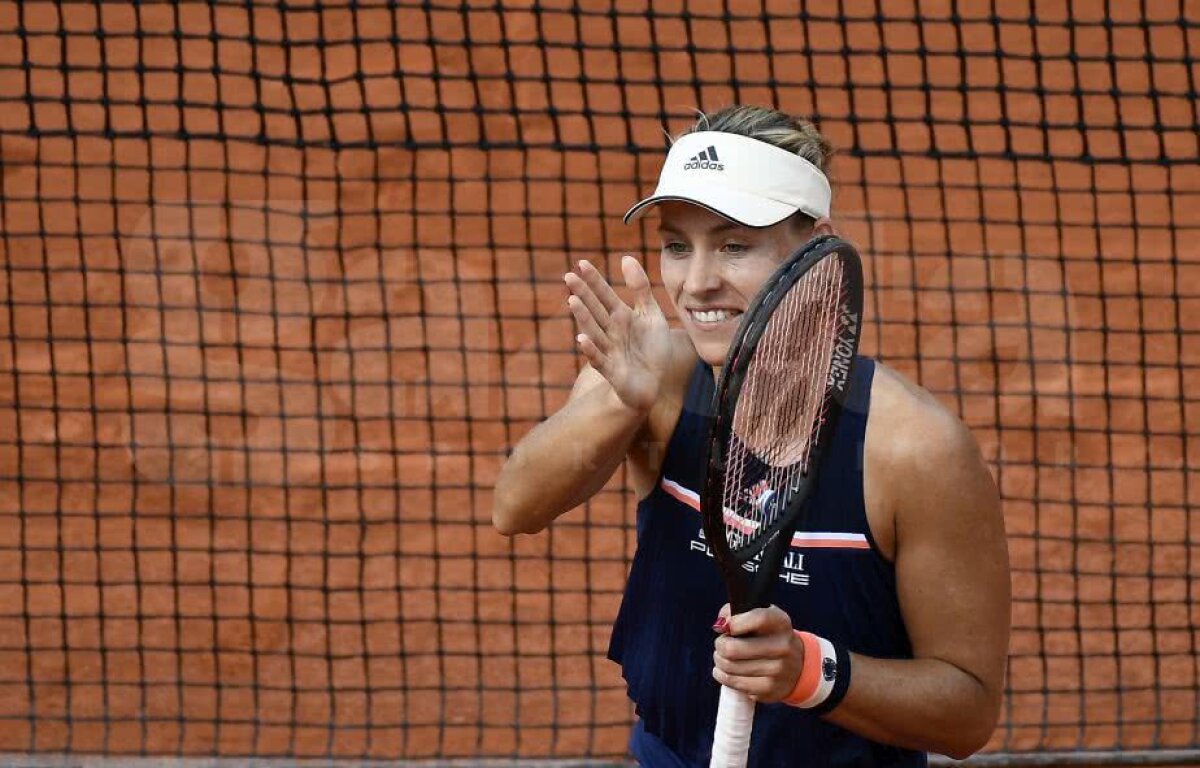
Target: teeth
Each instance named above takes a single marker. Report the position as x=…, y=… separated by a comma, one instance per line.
x=711, y=316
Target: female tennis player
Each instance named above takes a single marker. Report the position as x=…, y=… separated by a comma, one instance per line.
x=888, y=632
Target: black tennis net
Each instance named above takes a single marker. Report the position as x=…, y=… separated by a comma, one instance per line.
x=281, y=284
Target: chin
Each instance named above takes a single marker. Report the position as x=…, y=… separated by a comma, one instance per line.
x=711, y=352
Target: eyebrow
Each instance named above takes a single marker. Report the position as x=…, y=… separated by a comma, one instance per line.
x=668, y=229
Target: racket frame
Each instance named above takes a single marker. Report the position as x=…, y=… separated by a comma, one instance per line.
x=750, y=586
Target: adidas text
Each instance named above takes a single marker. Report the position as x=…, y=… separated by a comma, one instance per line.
x=705, y=160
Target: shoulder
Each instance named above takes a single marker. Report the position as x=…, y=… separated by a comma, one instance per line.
x=924, y=461
x=913, y=425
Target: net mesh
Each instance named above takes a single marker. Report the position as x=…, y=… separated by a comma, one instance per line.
x=280, y=285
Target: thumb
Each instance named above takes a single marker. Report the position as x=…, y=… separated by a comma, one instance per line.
x=637, y=281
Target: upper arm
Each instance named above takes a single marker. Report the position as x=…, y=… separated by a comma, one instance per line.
x=951, y=552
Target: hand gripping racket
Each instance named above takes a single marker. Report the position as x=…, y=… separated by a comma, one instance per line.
x=782, y=388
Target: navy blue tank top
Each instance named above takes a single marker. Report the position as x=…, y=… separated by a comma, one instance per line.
x=834, y=582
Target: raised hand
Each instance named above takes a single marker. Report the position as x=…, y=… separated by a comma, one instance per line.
x=629, y=346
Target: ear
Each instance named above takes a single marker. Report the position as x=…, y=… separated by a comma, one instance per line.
x=824, y=226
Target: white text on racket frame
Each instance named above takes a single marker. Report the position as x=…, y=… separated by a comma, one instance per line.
x=843, y=350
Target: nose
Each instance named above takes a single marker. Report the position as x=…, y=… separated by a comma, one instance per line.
x=704, y=273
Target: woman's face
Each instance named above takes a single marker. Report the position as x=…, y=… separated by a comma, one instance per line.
x=712, y=269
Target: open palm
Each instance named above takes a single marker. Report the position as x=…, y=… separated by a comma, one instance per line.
x=629, y=345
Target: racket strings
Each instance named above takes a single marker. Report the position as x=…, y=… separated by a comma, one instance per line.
x=783, y=401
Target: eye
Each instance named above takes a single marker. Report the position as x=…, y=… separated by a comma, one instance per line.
x=675, y=248
x=736, y=248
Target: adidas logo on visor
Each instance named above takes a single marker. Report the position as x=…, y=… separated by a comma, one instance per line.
x=706, y=160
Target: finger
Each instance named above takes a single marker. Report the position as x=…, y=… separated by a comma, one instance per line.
x=595, y=357
x=587, y=324
x=580, y=288
x=754, y=687
x=721, y=625
x=772, y=646
x=760, y=621
x=748, y=623
x=638, y=282
x=769, y=668
x=604, y=292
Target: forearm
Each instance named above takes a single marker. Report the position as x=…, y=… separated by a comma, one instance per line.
x=564, y=460
x=923, y=704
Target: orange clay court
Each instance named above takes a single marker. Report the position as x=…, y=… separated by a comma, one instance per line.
x=281, y=284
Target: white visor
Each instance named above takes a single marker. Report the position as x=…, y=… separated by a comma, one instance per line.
x=745, y=180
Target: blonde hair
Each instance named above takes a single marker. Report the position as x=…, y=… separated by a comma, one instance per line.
x=794, y=134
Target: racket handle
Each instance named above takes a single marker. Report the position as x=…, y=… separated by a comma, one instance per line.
x=735, y=720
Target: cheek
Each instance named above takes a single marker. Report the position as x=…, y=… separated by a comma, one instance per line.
x=672, y=277
x=752, y=279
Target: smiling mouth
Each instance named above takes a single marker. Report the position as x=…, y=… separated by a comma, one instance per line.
x=712, y=316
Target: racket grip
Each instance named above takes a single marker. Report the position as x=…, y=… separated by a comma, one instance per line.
x=735, y=720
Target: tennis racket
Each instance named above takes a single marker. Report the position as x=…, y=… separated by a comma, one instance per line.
x=782, y=388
